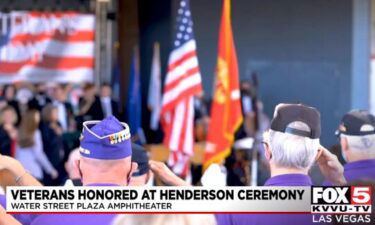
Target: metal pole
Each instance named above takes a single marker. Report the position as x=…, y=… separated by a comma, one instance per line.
x=254, y=166
x=102, y=38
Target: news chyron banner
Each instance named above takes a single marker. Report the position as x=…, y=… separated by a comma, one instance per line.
x=46, y=46
x=321, y=202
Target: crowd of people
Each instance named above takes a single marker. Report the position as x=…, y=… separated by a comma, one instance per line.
x=40, y=124
x=50, y=133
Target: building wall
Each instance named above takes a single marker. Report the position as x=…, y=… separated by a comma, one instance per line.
x=301, y=50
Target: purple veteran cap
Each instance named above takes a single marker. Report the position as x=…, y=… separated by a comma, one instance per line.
x=106, y=139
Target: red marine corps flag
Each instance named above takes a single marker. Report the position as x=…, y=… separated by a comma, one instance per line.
x=226, y=115
x=182, y=82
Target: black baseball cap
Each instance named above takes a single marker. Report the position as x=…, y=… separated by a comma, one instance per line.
x=285, y=114
x=140, y=156
x=357, y=123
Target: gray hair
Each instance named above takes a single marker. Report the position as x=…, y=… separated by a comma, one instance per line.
x=292, y=151
x=364, y=143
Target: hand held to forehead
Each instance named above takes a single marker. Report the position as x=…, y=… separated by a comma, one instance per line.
x=330, y=167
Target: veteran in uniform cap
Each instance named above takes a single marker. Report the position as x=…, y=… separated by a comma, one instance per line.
x=357, y=138
x=105, y=161
x=291, y=147
x=141, y=177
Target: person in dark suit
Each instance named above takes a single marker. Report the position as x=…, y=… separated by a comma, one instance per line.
x=8, y=131
x=65, y=109
x=9, y=93
x=90, y=107
x=40, y=99
x=109, y=106
x=53, y=143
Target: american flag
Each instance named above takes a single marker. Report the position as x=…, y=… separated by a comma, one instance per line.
x=46, y=46
x=182, y=82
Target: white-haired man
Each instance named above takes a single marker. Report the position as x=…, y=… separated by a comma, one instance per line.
x=291, y=147
x=357, y=139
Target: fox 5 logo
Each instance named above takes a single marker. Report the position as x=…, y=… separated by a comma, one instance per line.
x=354, y=195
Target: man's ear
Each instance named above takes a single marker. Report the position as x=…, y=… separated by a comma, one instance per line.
x=77, y=174
x=267, y=151
x=344, y=144
x=344, y=147
x=133, y=168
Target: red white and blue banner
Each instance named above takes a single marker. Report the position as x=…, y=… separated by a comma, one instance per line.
x=46, y=46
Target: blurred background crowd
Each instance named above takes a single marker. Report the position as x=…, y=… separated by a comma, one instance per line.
x=40, y=125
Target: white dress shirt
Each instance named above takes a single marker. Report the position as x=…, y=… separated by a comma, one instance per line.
x=106, y=106
x=62, y=115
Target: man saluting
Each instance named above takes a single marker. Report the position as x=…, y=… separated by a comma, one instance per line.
x=357, y=138
x=105, y=161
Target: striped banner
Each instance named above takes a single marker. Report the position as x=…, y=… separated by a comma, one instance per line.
x=45, y=46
